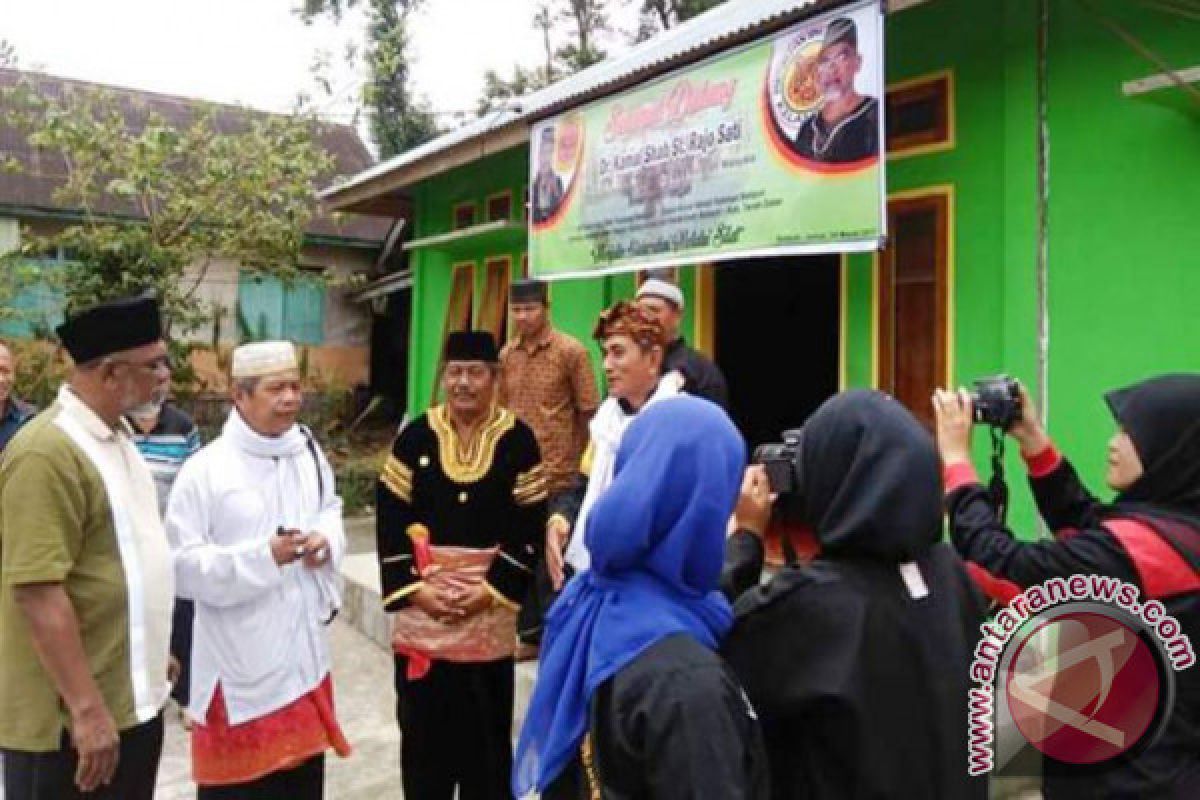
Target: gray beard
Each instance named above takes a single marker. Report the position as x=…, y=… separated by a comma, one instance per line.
x=146, y=410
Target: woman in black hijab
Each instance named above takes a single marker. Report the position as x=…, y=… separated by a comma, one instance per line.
x=1149, y=536
x=858, y=662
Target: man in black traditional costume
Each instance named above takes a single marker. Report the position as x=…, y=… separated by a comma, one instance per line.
x=461, y=514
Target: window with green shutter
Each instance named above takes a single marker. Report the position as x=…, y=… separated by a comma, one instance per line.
x=304, y=311
x=38, y=307
x=270, y=309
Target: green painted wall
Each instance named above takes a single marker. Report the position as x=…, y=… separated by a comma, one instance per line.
x=991, y=172
x=1124, y=184
x=1124, y=233
x=574, y=304
x=1124, y=181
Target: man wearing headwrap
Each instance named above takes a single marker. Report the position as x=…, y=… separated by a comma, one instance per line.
x=662, y=301
x=546, y=379
x=858, y=662
x=1149, y=537
x=461, y=514
x=86, y=583
x=846, y=126
x=632, y=342
x=255, y=523
x=632, y=701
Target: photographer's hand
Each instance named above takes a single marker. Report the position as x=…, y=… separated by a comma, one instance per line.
x=753, y=511
x=1028, y=430
x=953, y=415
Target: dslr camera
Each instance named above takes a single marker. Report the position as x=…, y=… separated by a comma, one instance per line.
x=996, y=401
x=781, y=462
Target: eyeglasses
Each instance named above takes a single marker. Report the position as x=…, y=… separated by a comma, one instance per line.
x=153, y=365
x=839, y=56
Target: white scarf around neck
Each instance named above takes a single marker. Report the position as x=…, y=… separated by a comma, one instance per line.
x=607, y=428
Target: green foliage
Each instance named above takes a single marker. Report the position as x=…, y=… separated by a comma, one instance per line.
x=581, y=21
x=159, y=201
x=499, y=92
x=589, y=19
x=356, y=480
x=657, y=16
x=396, y=120
x=40, y=369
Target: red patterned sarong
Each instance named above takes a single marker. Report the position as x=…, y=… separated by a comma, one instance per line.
x=223, y=754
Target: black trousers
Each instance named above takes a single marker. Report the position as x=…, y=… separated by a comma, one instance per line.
x=305, y=782
x=181, y=647
x=532, y=616
x=51, y=776
x=538, y=599
x=456, y=730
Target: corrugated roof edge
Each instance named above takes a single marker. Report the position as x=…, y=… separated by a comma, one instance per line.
x=700, y=36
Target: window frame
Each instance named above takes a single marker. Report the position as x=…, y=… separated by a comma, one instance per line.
x=492, y=313
x=941, y=200
x=939, y=139
x=506, y=196
x=456, y=208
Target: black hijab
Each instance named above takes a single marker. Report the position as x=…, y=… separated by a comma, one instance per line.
x=871, y=479
x=1162, y=417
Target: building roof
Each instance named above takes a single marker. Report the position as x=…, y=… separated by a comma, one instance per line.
x=720, y=28
x=32, y=188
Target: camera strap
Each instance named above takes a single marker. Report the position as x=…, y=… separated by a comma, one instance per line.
x=997, y=487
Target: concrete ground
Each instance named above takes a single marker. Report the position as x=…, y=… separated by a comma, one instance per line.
x=362, y=673
x=362, y=676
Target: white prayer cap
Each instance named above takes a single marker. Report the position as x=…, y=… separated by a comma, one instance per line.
x=659, y=288
x=263, y=358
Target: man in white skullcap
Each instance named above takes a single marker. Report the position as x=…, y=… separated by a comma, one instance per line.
x=662, y=301
x=255, y=524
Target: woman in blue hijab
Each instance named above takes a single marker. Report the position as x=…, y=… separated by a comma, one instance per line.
x=631, y=700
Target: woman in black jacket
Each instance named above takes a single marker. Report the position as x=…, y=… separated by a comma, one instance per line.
x=857, y=663
x=632, y=702
x=1148, y=537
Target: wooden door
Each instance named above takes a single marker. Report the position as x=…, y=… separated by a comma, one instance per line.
x=913, y=303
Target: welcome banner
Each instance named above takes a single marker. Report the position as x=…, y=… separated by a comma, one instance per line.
x=770, y=149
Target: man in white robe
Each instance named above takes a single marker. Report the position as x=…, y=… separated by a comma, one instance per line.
x=255, y=524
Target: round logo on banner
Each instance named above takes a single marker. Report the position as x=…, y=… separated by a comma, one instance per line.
x=801, y=92
x=792, y=79
x=1083, y=687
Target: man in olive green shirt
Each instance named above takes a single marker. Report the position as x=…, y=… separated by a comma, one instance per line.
x=86, y=578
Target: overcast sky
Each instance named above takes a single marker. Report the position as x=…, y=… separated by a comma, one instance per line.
x=259, y=53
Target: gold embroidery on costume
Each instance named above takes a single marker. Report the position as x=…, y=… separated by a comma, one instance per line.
x=530, y=487
x=402, y=593
x=588, y=757
x=397, y=477
x=467, y=462
x=500, y=599
x=585, y=463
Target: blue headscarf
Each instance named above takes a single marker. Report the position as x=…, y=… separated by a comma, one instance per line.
x=657, y=540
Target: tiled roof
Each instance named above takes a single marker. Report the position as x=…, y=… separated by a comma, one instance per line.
x=34, y=185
